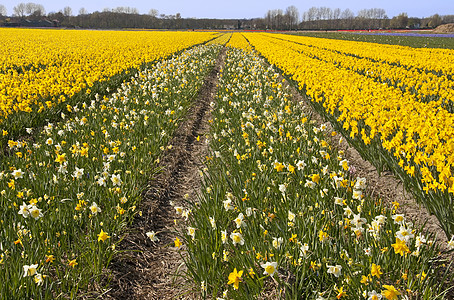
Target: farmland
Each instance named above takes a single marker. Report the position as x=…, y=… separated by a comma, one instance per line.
x=440, y=41
x=49, y=68
x=89, y=119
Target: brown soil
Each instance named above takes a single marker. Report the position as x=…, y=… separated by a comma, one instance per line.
x=445, y=28
x=150, y=270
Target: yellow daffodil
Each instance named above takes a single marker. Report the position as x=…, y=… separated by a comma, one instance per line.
x=400, y=247
x=376, y=270
x=72, y=263
x=102, y=236
x=235, y=278
x=390, y=292
x=177, y=242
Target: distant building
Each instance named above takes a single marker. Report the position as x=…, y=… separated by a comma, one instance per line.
x=229, y=27
x=44, y=23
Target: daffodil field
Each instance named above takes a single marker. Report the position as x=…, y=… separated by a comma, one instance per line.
x=70, y=188
x=42, y=71
x=86, y=115
x=394, y=104
x=281, y=216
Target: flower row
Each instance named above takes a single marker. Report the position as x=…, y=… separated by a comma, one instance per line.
x=425, y=85
x=281, y=214
x=69, y=190
x=389, y=127
x=41, y=68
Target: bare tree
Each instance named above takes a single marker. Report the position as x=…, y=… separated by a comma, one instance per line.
x=292, y=16
x=20, y=10
x=372, y=13
x=3, y=11
x=126, y=10
x=347, y=14
x=83, y=11
x=448, y=18
x=67, y=11
x=153, y=12
x=346, y=19
x=380, y=13
x=268, y=19
x=311, y=14
x=336, y=13
x=34, y=9
x=325, y=13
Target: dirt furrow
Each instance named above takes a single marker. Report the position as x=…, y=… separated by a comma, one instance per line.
x=151, y=270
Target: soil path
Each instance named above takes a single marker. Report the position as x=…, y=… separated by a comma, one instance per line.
x=151, y=270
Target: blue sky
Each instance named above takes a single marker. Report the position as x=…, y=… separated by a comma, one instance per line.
x=236, y=9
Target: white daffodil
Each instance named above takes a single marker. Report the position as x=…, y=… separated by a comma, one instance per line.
x=95, y=209
x=335, y=270
x=78, y=173
x=152, y=236
x=116, y=180
x=270, y=268
x=17, y=173
x=30, y=270
x=237, y=238
x=35, y=212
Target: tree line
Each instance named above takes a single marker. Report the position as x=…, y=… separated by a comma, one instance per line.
x=325, y=18
x=315, y=18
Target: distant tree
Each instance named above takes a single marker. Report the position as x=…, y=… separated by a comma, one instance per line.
x=58, y=16
x=324, y=13
x=268, y=18
x=292, y=17
x=20, y=10
x=448, y=18
x=34, y=9
x=347, y=14
x=125, y=10
x=400, y=21
x=278, y=18
x=274, y=19
x=379, y=13
x=435, y=21
x=414, y=23
x=371, y=18
x=336, y=13
x=364, y=14
x=346, y=19
x=309, y=15
x=83, y=11
x=3, y=11
x=67, y=11
x=153, y=12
